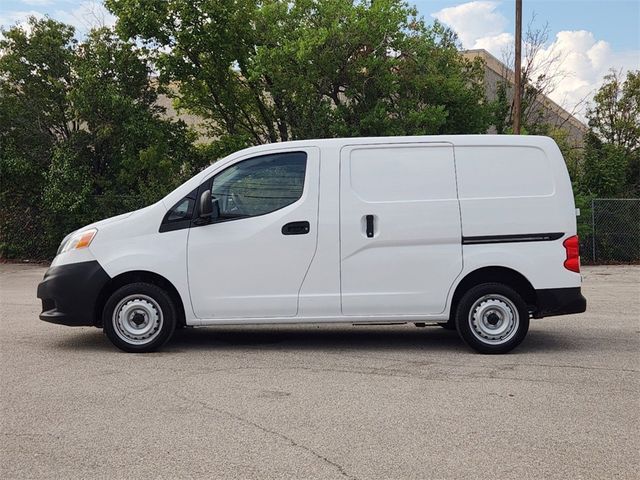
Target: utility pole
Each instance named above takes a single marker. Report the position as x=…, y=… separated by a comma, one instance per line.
x=517, y=94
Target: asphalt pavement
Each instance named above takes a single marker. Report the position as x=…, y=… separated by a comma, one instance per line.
x=325, y=402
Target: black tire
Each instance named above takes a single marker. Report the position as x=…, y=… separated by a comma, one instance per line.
x=492, y=302
x=141, y=305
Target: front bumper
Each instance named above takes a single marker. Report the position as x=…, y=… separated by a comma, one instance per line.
x=559, y=301
x=69, y=293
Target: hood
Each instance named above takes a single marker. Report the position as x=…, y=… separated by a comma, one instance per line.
x=111, y=220
x=107, y=221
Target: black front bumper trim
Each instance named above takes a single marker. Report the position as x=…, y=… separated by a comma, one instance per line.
x=69, y=293
x=559, y=301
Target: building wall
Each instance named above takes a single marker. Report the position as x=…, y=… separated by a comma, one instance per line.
x=549, y=111
x=193, y=121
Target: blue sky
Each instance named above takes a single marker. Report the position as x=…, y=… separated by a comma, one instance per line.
x=589, y=36
x=615, y=21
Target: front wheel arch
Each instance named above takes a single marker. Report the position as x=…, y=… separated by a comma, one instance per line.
x=138, y=276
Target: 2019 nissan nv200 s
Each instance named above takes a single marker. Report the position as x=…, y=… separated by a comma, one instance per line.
x=477, y=233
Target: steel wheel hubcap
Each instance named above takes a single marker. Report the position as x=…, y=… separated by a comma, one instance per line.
x=494, y=319
x=137, y=319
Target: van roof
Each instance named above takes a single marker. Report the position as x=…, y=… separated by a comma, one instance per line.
x=457, y=140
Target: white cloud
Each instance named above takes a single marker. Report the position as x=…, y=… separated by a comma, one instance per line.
x=9, y=19
x=37, y=2
x=83, y=17
x=495, y=44
x=584, y=59
x=86, y=16
x=473, y=21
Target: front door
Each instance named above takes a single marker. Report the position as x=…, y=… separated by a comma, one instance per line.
x=399, y=227
x=252, y=259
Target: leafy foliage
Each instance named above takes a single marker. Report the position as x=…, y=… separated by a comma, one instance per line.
x=273, y=71
x=82, y=136
x=612, y=146
x=615, y=116
x=78, y=124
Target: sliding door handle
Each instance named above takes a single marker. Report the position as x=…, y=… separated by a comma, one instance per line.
x=369, y=219
x=296, y=228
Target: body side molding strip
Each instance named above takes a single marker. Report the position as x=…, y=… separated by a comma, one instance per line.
x=524, y=237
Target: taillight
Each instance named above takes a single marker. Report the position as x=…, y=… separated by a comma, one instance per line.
x=572, y=246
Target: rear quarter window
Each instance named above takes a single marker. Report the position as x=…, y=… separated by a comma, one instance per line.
x=503, y=172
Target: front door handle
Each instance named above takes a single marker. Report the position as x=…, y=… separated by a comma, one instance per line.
x=296, y=228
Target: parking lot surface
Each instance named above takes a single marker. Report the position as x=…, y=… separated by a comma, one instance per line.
x=302, y=402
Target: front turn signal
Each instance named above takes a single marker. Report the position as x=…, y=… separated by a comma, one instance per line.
x=78, y=240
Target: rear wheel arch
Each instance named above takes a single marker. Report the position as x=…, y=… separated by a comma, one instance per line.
x=494, y=274
x=136, y=276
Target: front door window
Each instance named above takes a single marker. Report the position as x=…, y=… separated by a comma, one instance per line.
x=259, y=185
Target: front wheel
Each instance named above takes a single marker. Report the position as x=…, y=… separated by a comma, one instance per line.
x=139, y=317
x=492, y=318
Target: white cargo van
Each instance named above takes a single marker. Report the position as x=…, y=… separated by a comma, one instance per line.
x=476, y=233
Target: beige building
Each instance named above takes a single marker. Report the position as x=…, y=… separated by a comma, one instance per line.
x=548, y=110
x=193, y=121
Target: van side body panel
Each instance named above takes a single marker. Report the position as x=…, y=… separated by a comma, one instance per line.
x=248, y=267
x=510, y=190
x=319, y=294
x=136, y=245
x=506, y=185
x=399, y=228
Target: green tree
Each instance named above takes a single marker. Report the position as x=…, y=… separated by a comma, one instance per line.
x=35, y=75
x=81, y=136
x=612, y=146
x=615, y=115
x=605, y=167
x=273, y=70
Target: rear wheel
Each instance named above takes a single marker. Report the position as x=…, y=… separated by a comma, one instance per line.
x=139, y=317
x=492, y=318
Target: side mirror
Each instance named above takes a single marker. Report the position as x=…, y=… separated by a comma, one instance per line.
x=208, y=208
x=205, y=207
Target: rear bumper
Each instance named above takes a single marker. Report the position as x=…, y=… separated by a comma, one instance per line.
x=69, y=293
x=559, y=301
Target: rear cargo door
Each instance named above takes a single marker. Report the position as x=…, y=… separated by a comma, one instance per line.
x=399, y=227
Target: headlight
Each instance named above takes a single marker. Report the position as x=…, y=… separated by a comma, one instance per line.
x=81, y=239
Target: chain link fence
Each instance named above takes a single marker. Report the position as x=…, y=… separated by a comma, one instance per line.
x=33, y=230
x=609, y=231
